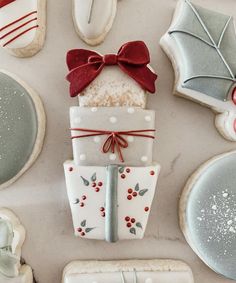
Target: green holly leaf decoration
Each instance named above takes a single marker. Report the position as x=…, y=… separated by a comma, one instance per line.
x=83, y=223
x=143, y=192
x=94, y=177
x=139, y=225
x=132, y=231
x=86, y=182
x=121, y=169
x=87, y=230
x=76, y=201
x=137, y=187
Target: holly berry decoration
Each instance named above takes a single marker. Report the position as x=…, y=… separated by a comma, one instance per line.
x=123, y=171
x=93, y=182
x=132, y=224
x=133, y=193
x=83, y=230
x=102, y=211
x=81, y=201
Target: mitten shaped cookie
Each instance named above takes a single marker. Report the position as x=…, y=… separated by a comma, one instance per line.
x=12, y=236
x=121, y=79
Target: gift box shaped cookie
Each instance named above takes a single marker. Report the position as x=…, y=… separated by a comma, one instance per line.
x=111, y=202
x=122, y=79
x=108, y=135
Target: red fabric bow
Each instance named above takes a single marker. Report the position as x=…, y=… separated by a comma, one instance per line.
x=5, y=2
x=114, y=140
x=132, y=58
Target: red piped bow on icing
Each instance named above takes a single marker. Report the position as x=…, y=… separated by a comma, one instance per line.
x=132, y=58
x=114, y=140
x=5, y=2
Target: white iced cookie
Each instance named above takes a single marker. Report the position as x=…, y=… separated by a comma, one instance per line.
x=93, y=19
x=22, y=26
x=22, y=128
x=201, y=45
x=12, y=236
x=128, y=271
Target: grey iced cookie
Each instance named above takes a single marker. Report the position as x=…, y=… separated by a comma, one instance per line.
x=22, y=128
x=201, y=45
x=208, y=213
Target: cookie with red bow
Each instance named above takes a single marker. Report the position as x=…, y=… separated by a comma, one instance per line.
x=22, y=26
x=121, y=79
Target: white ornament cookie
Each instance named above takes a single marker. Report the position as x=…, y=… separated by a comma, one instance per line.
x=12, y=236
x=207, y=213
x=22, y=26
x=22, y=128
x=201, y=45
x=128, y=271
x=93, y=19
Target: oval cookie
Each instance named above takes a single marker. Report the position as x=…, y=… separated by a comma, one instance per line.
x=22, y=128
x=208, y=213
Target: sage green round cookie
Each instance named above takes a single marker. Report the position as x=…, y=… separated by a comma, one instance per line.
x=22, y=125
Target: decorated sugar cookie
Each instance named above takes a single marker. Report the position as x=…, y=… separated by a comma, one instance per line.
x=22, y=128
x=208, y=213
x=12, y=236
x=110, y=203
x=108, y=135
x=22, y=26
x=93, y=19
x=122, y=79
x=128, y=271
x=201, y=45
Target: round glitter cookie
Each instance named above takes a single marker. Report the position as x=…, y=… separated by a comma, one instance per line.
x=208, y=213
x=22, y=128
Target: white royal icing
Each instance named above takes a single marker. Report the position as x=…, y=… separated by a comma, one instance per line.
x=13, y=12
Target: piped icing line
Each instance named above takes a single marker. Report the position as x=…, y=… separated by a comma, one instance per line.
x=3, y=3
x=15, y=29
x=18, y=20
x=20, y=34
x=111, y=220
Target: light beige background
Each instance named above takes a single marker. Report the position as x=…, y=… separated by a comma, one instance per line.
x=186, y=137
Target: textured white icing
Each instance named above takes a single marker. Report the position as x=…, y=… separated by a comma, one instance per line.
x=93, y=23
x=95, y=200
x=113, y=88
x=161, y=271
x=11, y=13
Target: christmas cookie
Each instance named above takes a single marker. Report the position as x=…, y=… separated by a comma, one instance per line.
x=128, y=271
x=22, y=128
x=121, y=79
x=93, y=19
x=201, y=45
x=22, y=26
x=110, y=203
x=107, y=135
x=208, y=213
x=12, y=236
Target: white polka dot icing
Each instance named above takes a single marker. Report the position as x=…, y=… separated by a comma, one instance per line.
x=130, y=139
x=18, y=128
x=144, y=158
x=97, y=139
x=82, y=157
x=148, y=118
x=211, y=215
x=112, y=156
x=113, y=119
x=130, y=110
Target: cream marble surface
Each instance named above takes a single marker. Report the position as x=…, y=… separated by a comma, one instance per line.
x=186, y=138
